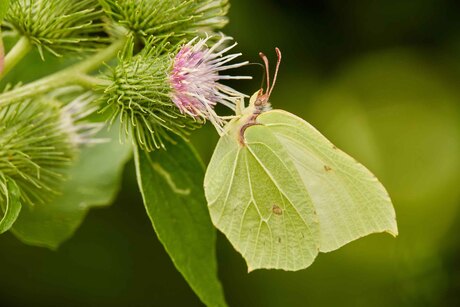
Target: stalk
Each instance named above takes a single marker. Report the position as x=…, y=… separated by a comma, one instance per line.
x=75, y=74
x=19, y=51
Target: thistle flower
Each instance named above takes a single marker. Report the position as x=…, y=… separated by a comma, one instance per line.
x=38, y=141
x=195, y=79
x=167, y=18
x=168, y=89
x=58, y=26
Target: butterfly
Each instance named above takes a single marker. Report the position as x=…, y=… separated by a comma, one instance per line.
x=281, y=192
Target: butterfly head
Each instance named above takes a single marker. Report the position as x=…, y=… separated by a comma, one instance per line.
x=260, y=98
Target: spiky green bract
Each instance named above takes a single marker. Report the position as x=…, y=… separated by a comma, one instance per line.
x=38, y=141
x=3, y=8
x=168, y=17
x=59, y=26
x=139, y=95
x=33, y=149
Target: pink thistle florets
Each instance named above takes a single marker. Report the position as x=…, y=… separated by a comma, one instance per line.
x=195, y=80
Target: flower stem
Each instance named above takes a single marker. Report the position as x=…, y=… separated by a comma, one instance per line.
x=90, y=82
x=20, y=49
x=2, y=53
x=75, y=74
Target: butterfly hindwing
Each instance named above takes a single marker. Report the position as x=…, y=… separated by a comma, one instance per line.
x=348, y=198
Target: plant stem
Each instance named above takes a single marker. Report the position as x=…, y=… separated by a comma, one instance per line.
x=2, y=52
x=90, y=81
x=75, y=74
x=20, y=49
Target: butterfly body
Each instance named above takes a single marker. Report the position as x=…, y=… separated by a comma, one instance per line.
x=258, y=104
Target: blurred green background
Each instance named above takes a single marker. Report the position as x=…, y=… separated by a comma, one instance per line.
x=380, y=79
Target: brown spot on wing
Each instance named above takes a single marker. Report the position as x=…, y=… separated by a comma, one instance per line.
x=327, y=168
x=277, y=210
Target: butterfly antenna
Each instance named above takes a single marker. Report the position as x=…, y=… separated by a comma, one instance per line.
x=278, y=62
x=264, y=58
x=263, y=76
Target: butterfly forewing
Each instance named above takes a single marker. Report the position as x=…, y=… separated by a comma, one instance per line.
x=257, y=199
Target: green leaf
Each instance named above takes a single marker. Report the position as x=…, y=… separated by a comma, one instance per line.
x=3, y=8
x=93, y=181
x=281, y=192
x=171, y=186
x=13, y=206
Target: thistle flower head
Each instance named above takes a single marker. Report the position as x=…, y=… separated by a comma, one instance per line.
x=58, y=26
x=173, y=17
x=168, y=89
x=138, y=96
x=195, y=79
x=38, y=141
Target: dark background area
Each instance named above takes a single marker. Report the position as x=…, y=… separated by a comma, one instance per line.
x=381, y=79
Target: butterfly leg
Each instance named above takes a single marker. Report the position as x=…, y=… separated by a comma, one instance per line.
x=239, y=106
x=229, y=117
